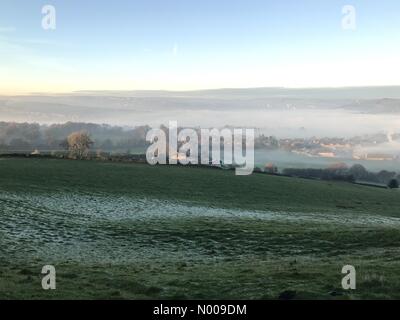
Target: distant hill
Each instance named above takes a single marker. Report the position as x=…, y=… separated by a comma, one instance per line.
x=245, y=107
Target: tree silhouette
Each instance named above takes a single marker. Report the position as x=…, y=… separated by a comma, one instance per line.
x=393, y=184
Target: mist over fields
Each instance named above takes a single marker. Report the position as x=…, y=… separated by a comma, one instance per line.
x=341, y=112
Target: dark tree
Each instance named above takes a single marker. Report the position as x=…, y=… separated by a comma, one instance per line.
x=359, y=172
x=393, y=184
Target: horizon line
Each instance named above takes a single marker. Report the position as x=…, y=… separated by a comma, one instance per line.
x=195, y=90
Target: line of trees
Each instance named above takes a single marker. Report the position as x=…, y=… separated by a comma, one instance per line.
x=29, y=136
x=341, y=171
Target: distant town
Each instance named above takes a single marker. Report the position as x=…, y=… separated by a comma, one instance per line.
x=377, y=147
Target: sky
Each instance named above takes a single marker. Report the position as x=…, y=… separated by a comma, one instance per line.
x=189, y=45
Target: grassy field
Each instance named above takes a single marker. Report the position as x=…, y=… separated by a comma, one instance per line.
x=132, y=231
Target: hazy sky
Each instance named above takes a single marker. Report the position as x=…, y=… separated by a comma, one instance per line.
x=188, y=44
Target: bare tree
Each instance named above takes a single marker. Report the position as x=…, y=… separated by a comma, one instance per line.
x=79, y=144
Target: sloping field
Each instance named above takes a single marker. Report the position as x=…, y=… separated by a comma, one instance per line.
x=127, y=231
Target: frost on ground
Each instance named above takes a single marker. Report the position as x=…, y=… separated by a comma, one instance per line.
x=122, y=229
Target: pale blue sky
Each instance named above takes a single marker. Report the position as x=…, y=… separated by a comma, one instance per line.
x=187, y=44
